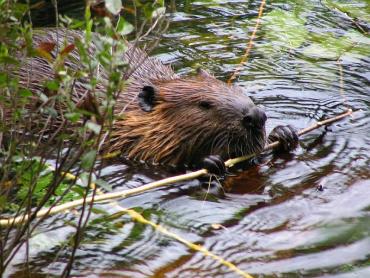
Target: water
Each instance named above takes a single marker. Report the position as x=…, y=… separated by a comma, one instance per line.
x=303, y=214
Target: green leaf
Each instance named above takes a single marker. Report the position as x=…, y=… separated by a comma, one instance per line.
x=78, y=190
x=51, y=111
x=158, y=12
x=86, y=180
x=94, y=127
x=3, y=202
x=113, y=6
x=123, y=27
x=52, y=85
x=103, y=184
x=3, y=79
x=82, y=50
x=73, y=117
x=25, y=93
x=9, y=60
x=98, y=211
x=44, y=98
x=26, y=181
x=87, y=14
x=88, y=160
x=88, y=32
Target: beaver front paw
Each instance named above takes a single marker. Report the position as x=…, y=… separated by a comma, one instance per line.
x=286, y=135
x=215, y=165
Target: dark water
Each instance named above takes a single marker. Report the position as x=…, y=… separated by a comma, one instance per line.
x=304, y=214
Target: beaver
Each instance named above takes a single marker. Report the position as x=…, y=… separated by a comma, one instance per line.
x=168, y=119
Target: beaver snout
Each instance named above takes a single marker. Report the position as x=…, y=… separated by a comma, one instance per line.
x=255, y=118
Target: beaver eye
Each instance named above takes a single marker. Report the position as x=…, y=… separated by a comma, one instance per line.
x=205, y=105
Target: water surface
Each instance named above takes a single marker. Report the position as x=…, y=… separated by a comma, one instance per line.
x=303, y=214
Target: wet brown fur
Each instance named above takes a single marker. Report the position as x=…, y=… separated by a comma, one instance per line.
x=178, y=130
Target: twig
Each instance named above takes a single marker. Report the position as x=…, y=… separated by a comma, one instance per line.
x=249, y=46
x=139, y=218
x=233, y=161
x=325, y=122
x=160, y=183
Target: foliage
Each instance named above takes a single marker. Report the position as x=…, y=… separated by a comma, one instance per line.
x=27, y=145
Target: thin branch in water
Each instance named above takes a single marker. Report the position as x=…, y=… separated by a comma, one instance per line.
x=245, y=57
x=139, y=218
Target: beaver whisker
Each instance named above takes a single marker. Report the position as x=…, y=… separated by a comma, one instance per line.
x=218, y=141
x=228, y=145
x=258, y=142
x=215, y=140
x=198, y=135
x=219, y=145
x=241, y=144
x=239, y=148
x=250, y=138
x=236, y=146
x=254, y=138
x=247, y=144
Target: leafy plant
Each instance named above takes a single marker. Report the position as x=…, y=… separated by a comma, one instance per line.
x=29, y=140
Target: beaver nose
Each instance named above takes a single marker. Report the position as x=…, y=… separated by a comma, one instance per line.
x=255, y=118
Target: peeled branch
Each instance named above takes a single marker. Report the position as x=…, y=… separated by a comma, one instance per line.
x=164, y=182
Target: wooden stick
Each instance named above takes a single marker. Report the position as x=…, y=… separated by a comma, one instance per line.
x=135, y=216
x=139, y=218
x=160, y=183
x=325, y=122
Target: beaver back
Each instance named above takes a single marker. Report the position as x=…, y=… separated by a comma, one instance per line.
x=165, y=118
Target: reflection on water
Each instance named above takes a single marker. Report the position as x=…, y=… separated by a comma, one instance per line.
x=300, y=214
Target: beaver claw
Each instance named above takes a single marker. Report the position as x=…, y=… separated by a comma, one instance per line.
x=286, y=135
x=215, y=165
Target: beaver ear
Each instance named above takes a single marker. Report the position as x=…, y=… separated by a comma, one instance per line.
x=203, y=73
x=147, y=98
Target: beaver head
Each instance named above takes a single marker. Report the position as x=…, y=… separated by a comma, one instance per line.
x=183, y=120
